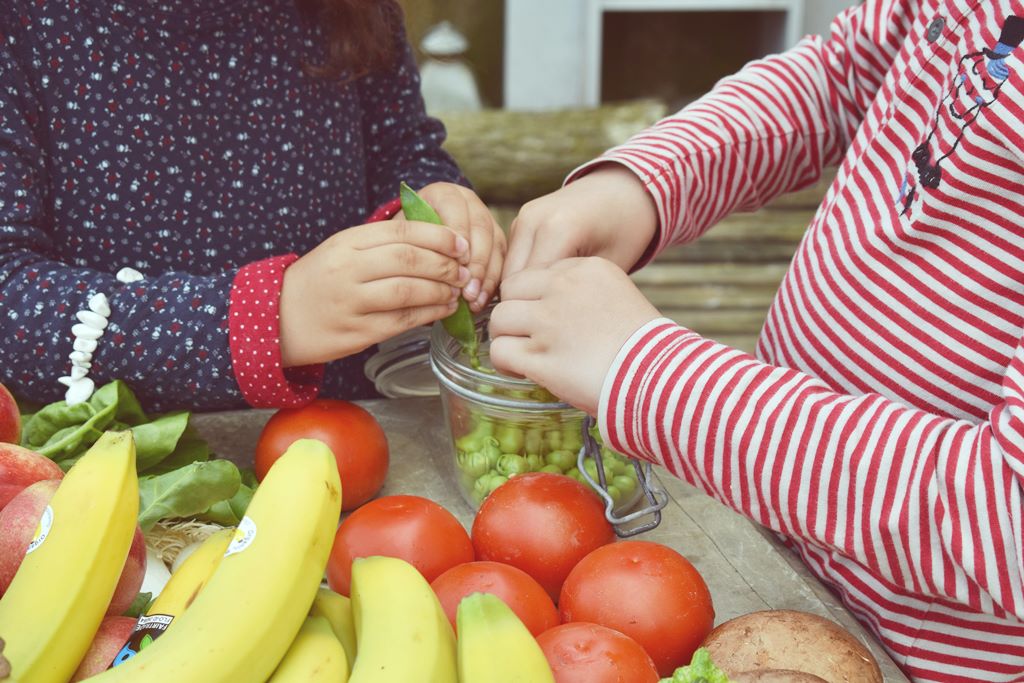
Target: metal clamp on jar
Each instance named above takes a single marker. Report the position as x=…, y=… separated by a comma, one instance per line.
x=503, y=426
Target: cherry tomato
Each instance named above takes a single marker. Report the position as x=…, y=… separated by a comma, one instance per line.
x=353, y=435
x=647, y=591
x=542, y=523
x=579, y=652
x=415, y=529
x=522, y=594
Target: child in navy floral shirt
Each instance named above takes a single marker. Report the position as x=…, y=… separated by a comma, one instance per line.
x=188, y=168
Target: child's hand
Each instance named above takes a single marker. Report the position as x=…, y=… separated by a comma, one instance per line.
x=463, y=211
x=562, y=326
x=367, y=284
x=606, y=213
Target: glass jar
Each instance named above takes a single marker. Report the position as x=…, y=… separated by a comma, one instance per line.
x=502, y=426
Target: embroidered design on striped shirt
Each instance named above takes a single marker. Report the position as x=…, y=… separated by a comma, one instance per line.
x=976, y=86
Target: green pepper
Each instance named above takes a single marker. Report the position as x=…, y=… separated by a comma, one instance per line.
x=460, y=324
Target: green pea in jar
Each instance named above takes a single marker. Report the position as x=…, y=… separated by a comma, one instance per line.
x=504, y=426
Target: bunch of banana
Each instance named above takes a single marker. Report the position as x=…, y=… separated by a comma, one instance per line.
x=247, y=615
x=181, y=590
x=402, y=633
x=495, y=646
x=315, y=656
x=337, y=610
x=55, y=603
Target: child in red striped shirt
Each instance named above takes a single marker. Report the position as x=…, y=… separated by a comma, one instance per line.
x=880, y=426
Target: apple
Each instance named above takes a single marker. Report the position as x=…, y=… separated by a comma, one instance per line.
x=20, y=467
x=108, y=641
x=131, y=576
x=18, y=522
x=10, y=418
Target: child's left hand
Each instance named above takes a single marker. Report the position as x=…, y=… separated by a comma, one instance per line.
x=464, y=212
x=562, y=326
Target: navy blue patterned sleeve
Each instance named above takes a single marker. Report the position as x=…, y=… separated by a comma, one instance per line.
x=167, y=335
x=402, y=142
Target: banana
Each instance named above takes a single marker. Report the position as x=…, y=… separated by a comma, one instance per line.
x=242, y=622
x=315, y=655
x=495, y=646
x=192, y=575
x=177, y=595
x=337, y=609
x=401, y=631
x=54, y=605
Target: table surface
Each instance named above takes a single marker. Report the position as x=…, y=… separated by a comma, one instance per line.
x=745, y=568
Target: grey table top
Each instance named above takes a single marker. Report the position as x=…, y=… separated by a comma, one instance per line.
x=745, y=568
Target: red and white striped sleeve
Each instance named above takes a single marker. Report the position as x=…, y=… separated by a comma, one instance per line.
x=767, y=130
x=929, y=503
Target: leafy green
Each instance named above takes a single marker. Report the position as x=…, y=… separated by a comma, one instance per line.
x=156, y=440
x=700, y=670
x=61, y=431
x=186, y=491
x=229, y=512
x=177, y=477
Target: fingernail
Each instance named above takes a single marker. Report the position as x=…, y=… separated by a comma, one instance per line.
x=464, y=276
x=461, y=245
x=481, y=300
x=472, y=290
x=455, y=293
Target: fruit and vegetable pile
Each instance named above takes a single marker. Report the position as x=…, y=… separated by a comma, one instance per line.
x=538, y=589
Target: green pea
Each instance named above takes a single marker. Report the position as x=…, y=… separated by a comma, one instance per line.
x=575, y=474
x=496, y=482
x=625, y=484
x=554, y=439
x=564, y=460
x=572, y=438
x=482, y=486
x=510, y=437
x=474, y=464
x=534, y=462
x=533, y=440
x=591, y=467
x=615, y=493
x=491, y=451
x=510, y=463
x=460, y=324
x=551, y=469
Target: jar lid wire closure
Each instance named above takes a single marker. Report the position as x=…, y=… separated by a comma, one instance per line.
x=657, y=498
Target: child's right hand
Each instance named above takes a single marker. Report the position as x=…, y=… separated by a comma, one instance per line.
x=367, y=284
x=606, y=213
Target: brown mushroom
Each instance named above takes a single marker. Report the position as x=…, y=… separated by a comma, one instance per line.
x=794, y=641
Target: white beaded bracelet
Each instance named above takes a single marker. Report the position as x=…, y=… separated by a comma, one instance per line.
x=87, y=332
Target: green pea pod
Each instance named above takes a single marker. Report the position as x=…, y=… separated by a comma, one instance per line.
x=460, y=324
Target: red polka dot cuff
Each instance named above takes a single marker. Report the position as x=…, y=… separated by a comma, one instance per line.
x=385, y=211
x=255, y=339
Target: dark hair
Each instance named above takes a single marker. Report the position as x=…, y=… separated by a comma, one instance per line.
x=360, y=35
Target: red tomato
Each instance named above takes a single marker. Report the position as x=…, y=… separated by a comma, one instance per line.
x=415, y=529
x=647, y=591
x=516, y=589
x=353, y=435
x=579, y=652
x=543, y=524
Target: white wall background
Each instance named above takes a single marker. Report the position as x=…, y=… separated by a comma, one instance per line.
x=818, y=14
